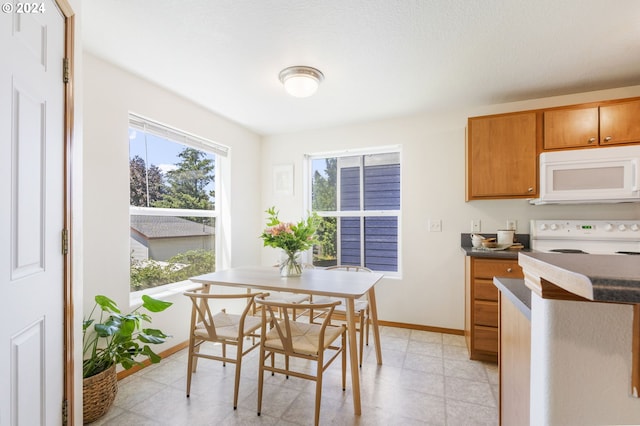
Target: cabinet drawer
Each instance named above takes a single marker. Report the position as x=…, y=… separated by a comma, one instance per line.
x=485, y=338
x=485, y=290
x=486, y=313
x=489, y=268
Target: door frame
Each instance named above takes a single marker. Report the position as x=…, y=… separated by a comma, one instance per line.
x=68, y=314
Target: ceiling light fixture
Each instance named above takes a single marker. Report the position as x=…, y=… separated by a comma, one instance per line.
x=301, y=81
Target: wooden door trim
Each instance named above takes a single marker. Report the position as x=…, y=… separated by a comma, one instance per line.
x=69, y=307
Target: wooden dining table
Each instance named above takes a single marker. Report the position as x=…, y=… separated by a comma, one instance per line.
x=319, y=282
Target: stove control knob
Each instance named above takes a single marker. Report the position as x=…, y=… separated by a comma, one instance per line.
x=622, y=227
x=543, y=226
x=634, y=227
x=608, y=227
x=554, y=226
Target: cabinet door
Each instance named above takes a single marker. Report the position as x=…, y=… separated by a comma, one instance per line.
x=620, y=123
x=570, y=127
x=501, y=156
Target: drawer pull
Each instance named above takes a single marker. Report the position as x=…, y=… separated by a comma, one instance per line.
x=509, y=270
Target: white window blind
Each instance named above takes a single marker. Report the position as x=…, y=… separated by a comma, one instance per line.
x=146, y=125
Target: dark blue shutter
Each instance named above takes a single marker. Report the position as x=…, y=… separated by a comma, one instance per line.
x=350, y=241
x=381, y=243
x=349, y=188
x=381, y=192
x=382, y=187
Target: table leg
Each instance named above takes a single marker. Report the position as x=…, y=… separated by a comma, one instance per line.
x=373, y=311
x=353, y=356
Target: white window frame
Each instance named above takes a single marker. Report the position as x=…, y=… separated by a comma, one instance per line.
x=220, y=152
x=361, y=214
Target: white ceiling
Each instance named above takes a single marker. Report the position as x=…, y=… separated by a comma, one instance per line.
x=380, y=58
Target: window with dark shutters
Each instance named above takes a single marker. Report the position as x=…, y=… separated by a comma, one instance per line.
x=358, y=198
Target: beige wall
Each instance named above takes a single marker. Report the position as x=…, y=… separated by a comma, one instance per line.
x=109, y=95
x=431, y=289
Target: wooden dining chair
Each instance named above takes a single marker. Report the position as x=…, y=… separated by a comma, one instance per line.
x=221, y=327
x=361, y=308
x=282, y=334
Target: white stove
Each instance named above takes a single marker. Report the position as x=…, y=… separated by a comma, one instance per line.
x=586, y=236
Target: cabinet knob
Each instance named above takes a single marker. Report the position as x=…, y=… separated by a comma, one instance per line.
x=607, y=139
x=509, y=270
x=530, y=189
x=592, y=140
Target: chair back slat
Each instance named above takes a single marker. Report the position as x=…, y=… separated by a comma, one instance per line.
x=201, y=311
x=282, y=322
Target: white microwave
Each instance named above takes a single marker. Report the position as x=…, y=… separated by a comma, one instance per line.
x=596, y=175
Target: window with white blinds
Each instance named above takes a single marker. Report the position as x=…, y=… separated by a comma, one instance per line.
x=172, y=203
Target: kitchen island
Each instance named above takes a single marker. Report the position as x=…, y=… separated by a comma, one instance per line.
x=585, y=338
x=515, y=351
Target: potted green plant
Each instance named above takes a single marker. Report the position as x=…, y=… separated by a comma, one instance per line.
x=114, y=339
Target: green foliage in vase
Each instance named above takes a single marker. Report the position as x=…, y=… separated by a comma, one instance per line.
x=288, y=236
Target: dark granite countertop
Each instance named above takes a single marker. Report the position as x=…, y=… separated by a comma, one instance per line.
x=465, y=245
x=601, y=278
x=501, y=254
x=517, y=292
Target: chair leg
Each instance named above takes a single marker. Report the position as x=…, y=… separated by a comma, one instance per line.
x=224, y=354
x=344, y=361
x=196, y=350
x=286, y=364
x=368, y=321
x=319, y=366
x=238, y=369
x=361, y=326
x=261, y=378
x=190, y=365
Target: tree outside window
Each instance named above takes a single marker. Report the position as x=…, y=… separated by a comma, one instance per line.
x=173, y=211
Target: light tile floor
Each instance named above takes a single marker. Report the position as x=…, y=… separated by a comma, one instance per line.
x=426, y=379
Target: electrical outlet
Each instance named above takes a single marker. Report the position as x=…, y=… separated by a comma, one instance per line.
x=512, y=224
x=475, y=225
x=435, y=225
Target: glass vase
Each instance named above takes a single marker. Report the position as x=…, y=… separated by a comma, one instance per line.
x=290, y=265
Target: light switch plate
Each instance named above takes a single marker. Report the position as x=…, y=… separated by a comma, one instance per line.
x=475, y=225
x=512, y=224
x=435, y=225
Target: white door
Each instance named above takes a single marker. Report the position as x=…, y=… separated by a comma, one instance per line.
x=31, y=214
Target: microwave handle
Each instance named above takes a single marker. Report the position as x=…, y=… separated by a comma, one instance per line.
x=636, y=174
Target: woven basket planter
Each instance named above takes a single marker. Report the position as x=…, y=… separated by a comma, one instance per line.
x=98, y=393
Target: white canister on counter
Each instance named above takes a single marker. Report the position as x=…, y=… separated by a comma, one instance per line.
x=505, y=236
x=476, y=240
